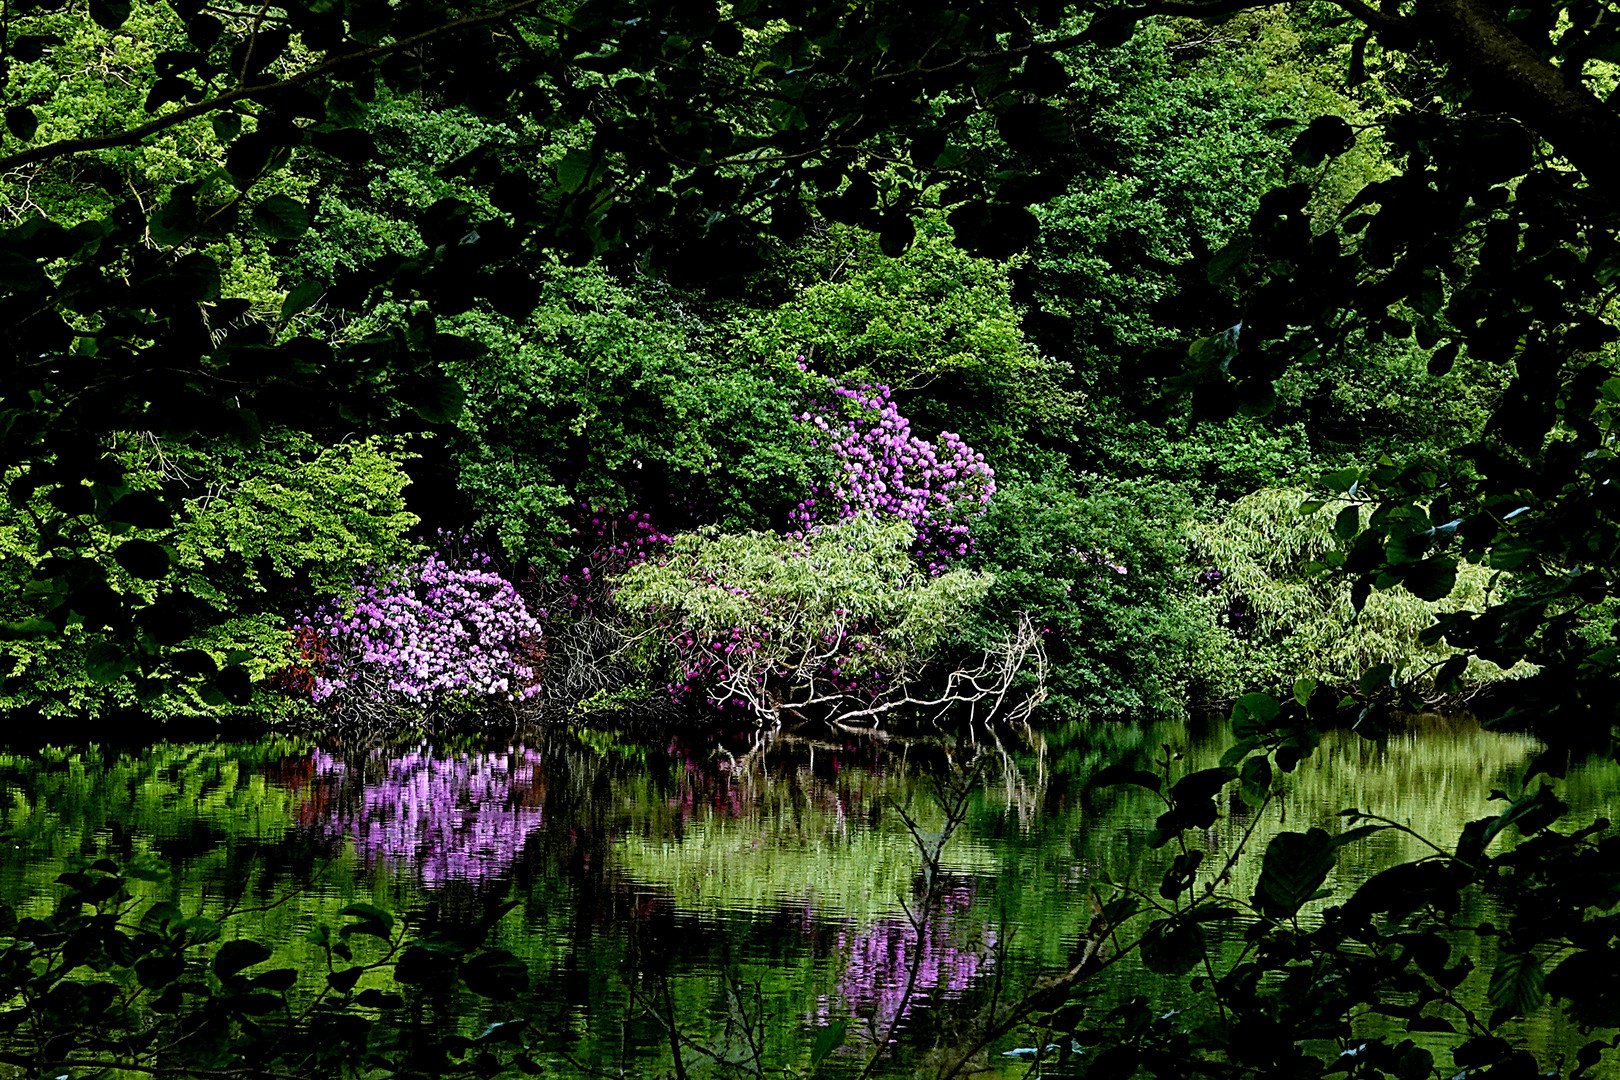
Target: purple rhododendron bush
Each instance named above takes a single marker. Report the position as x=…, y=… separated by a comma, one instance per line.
x=444, y=633
x=885, y=469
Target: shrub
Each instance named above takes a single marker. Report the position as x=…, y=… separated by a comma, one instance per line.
x=1286, y=622
x=887, y=471
x=1099, y=565
x=840, y=622
x=444, y=631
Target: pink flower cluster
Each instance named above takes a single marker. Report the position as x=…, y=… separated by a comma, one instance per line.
x=608, y=543
x=710, y=660
x=442, y=629
x=887, y=470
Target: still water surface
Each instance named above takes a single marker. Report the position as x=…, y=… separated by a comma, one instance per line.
x=781, y=879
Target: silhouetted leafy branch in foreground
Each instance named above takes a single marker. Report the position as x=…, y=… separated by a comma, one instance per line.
x=110, y=981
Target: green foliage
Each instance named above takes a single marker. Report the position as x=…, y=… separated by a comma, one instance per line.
x=1302, y=990
x=254, y=535
x=937, y=325
x=800, y=618
x=115, y=980
x=1286, y=620
x=1099, y=565
x=612, y=395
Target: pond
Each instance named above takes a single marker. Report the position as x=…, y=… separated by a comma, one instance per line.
x=753, y=896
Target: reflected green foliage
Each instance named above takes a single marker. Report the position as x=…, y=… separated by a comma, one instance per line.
x=112, y=981
x=777, y=872
x=1329, y=965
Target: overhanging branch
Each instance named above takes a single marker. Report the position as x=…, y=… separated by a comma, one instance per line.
x=68, y=147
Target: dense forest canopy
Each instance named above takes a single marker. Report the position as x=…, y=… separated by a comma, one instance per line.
x=1127, y=358
x=165, y=280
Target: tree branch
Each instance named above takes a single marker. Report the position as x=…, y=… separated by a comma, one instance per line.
x=1524, y=85
x=68, y=147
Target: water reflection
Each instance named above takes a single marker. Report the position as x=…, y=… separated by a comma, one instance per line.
x=890, y=968
x=446, y=818
x=791, y=867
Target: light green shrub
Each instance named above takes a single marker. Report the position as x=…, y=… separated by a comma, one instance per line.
x=1287, y=622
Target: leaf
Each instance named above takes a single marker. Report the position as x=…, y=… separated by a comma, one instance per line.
x=302, y=297
x=1253, y=714
x=193, y=277
x=496, y=974
x=1375, y=678
x=1122, y=774
x=1530, y=813
x=109, y=14
x=280, y=217
x=1172, y=946
x=235, y=684
x=1182, y=873
x=156, y=971
x=1293, y=869
x=573, y=169
x=141, y=509
x=253, y=1004
x=238, y=955
x=419, y=964
x=1431, y=1023
x=21, y=122
x=1193, y=803
x=1347, y=523
x=377, y=999
x=435, y=398
x=1327, y=136
x=1255, y=781
x=30, y=47
x=106, y=662
x=1360, y=832
x=896, y=234
x=1432, y=579
x=203, y=30
x=167, y=89
x=1034, y=127
x=278, y=981
x=1230, y=259
x=828, y=1039
x=370, y=920
x=227, y=126
x=1448, y=680
x=1518, y=984
x=145, y=559
x=343, y=981
x=1443, y=359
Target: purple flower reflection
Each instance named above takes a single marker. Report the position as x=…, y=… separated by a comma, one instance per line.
x=450, y=818
x=879, y=959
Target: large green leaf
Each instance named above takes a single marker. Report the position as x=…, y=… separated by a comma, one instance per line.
x=1172, y=946
x=1293, y=870
x=281, y=217
x=239, y=955
x=828, y=1039
x=1518, y=984
x=496, y=974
